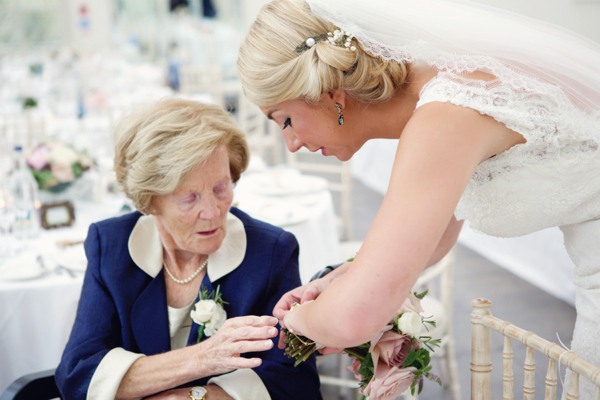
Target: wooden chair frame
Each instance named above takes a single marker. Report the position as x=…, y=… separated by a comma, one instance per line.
x=481, y=359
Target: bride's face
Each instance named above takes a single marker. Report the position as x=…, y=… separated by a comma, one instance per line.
x=313, y=126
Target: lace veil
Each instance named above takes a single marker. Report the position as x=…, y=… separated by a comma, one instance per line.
x=462, y=36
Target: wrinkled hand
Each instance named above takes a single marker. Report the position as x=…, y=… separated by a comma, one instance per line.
x=221, y=353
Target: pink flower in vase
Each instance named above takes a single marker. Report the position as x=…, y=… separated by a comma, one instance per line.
x=62, y=172
x=38, y=158
x=389, y=382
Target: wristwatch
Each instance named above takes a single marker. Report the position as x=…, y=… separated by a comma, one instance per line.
x=198, y=393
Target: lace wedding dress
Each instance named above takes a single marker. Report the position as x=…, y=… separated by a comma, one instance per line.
x=551, y=180
x=547, y=89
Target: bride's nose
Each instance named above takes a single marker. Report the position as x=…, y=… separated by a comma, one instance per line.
x=292, y=142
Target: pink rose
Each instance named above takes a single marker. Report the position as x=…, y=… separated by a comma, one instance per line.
x=62, y=172
x=389, y=383
x=354, y=367
x=412, y=303
x=38, y=158
x=391, y=349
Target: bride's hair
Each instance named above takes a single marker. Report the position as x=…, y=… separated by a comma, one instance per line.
x=271, y=70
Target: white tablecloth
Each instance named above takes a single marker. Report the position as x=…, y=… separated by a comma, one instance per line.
x=36, y=315
x=539, y=258
x=299, y=204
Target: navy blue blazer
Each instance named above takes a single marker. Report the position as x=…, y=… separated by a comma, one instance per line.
x=122, y=306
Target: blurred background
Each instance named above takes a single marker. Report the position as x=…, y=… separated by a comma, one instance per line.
x=70, y=68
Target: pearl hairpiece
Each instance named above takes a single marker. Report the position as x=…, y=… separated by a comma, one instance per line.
x=337, y=38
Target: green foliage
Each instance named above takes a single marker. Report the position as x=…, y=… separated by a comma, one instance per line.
x=366, y=370
x=214, y=295
x=44, y=178
x=77, y=170
x=29, y=102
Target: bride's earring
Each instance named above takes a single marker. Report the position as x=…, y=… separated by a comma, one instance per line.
x=340, y=114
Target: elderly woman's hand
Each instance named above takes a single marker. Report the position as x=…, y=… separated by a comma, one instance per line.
x=221, y=353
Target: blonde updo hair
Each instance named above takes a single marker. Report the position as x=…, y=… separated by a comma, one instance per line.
x=158, y=145
x=271, y=71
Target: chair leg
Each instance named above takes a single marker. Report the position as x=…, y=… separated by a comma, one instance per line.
x=452, y=369
x=343, y=362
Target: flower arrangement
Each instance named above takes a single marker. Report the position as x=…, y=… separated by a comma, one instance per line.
x=208, y=312
x=396, y=359
x=55, y=165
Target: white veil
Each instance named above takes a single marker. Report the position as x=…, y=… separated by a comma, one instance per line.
x=463, y=36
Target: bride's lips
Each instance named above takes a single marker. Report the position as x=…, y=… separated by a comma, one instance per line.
x=323, y=151
x=208, y=233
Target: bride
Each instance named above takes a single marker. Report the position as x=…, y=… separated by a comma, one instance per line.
x=498, y=121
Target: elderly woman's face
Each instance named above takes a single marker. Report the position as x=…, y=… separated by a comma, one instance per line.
x=194, y=215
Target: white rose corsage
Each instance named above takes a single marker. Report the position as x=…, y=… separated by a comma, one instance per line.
x=208, y=312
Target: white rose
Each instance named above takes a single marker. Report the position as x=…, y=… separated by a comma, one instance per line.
x=62, y=154
x=203, y=311
x=216, y=321
x=410, y=323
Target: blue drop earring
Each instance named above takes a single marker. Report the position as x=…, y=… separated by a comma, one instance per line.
x=340, y=114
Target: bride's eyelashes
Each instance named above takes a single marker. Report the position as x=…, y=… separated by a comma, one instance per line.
x=288, y=122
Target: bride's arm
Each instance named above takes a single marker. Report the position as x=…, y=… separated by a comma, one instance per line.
x=438, y=152
x=448, y=240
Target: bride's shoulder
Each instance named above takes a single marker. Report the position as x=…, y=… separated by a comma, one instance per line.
x=423, y=73
x=476, y=76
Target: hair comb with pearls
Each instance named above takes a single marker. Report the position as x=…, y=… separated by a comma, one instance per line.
x=337, y=38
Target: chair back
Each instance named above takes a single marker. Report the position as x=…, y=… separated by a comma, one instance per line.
x=38, y=385
x=263, y=136
x=205, y=79
x=481, y=360
x=339, y=179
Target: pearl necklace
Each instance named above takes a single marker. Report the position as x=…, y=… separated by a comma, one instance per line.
x=189, y=278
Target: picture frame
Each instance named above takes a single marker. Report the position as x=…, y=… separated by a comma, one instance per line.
x=55, y=215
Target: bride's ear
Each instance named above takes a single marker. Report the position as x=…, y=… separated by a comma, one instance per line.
x=338, y=96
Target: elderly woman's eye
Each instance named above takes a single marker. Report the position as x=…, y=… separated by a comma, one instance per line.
x=220, y=188
x=189, y=198
x=288, y=122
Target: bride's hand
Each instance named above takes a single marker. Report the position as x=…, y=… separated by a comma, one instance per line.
x=322, y=350
x=301, y=294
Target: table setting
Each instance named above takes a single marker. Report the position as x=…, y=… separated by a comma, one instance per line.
x=298, y=203
x=40, y=285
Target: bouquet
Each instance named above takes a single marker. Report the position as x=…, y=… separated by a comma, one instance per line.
x=396, y=359
x=55, y=165
x=208, y=312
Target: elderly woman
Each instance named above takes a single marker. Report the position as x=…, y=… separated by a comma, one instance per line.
x=133, y=335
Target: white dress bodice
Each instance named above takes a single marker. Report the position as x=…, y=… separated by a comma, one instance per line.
x=551, y=180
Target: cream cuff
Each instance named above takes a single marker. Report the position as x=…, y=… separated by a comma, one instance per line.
x=109, y=374
x=242, y=384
